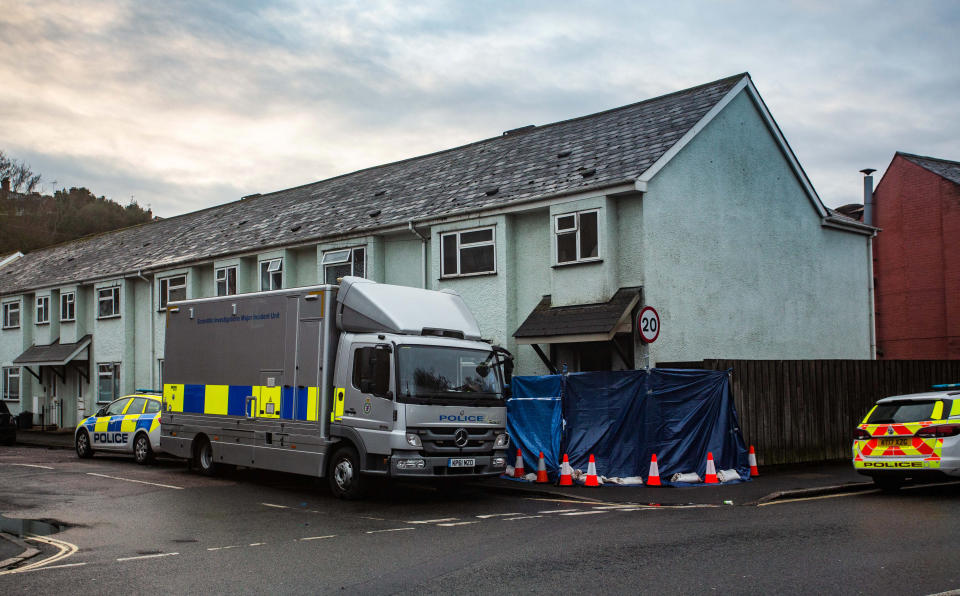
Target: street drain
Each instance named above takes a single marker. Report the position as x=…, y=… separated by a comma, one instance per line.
x=27, y=527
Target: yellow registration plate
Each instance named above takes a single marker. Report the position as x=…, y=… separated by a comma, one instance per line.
x=898, y=442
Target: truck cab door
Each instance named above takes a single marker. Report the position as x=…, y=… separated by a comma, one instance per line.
x=367, y=395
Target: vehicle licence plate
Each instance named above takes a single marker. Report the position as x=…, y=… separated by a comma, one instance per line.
x=896, y=442
x=461, y=463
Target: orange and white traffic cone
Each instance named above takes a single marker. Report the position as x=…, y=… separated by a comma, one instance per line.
x=566, y=474
x=711, y=470
x=752, y=458
x=542, y=470
x=653, y=479
x=518, y=466
x=591, y=479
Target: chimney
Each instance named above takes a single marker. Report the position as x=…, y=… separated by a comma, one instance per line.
x=5, y=190
x=867, y=195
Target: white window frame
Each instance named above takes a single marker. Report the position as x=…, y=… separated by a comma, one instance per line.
x=43, y=310
x=222, y=275
x=9, y=308
x=113, y=298
x=460, y=246
x=333, y=258
x=68, y=303
x=273, y=266
x=9, y=373
x=576, y=230
x=166, y=287
x=111, y=370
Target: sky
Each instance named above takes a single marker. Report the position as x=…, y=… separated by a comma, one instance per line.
x=185, y=105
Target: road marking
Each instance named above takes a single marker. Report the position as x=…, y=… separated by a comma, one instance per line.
x=489, y=515
x=837, y=496
x=316, y=537
x=366, y=517
x=583, y=513
x=558, y=511
x=434, y=521
x=137, y=481
x=64, y=550
x=275, y=506
x=390, y=530
x=58, y=566
x=223, y=547
x=614, y=507
x=522, y=517
x=147, y=557
x=33, y=466
x=463, y=523
x=256, y=544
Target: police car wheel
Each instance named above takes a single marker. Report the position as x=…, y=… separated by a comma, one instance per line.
x=345, y=479
x=142, y=451
x=83, y=445
x=203, y=457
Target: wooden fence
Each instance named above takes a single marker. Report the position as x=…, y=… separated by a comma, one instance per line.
x=805, y=410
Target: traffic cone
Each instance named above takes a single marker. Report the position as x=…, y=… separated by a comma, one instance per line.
x=591, y=479
x=542, y=470
x=654, y=478
x=711, y=470
x=566, y=474
x=518, y=466
x=752, y=458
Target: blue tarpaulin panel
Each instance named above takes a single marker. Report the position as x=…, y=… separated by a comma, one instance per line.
x=623, y=417
x=534, y=421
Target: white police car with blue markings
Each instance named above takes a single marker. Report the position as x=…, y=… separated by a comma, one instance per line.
x=130, y=424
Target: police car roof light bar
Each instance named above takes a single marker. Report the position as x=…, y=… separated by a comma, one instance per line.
x=947, y=386
x=150, y=391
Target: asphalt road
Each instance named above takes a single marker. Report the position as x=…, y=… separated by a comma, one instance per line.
x=162, y=528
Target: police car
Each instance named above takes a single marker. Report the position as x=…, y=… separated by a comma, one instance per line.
x=910, y=437
x=130, y=424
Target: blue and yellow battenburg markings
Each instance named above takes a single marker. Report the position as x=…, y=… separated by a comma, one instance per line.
x=283, y=403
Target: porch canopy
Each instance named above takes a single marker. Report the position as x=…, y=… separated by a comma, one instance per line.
x=55, y=354
x=578, y=323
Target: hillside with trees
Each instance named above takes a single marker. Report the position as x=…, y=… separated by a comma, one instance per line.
x=30, y=220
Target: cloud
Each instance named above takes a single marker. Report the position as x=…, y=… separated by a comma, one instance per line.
x=186, y=105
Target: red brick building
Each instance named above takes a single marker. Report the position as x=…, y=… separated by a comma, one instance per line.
x=917, y=259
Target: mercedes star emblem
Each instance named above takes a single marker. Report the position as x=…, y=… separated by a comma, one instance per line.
x=461, y=437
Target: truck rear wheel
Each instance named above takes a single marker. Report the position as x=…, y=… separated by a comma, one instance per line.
x=203, y=456
x=344, y=474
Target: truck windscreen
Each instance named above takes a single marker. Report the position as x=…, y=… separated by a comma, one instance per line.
x=438, y=375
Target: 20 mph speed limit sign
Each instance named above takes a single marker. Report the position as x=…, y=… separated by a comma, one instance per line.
x=648, y=322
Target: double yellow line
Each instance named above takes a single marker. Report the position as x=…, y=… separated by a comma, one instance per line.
x=64, y=550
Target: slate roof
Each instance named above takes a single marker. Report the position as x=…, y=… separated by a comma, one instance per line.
x=603, y=149
x=581, y=319
x=55, y=352
x=941, y=167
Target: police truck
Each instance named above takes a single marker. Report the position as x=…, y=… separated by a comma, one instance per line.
x=347, y=381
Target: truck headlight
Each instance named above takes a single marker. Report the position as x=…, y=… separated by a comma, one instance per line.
x=503, y=439
x=414, y=440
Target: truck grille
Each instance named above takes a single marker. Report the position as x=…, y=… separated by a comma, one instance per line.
x=440, y=441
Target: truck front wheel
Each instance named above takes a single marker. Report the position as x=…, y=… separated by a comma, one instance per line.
x=345, y=479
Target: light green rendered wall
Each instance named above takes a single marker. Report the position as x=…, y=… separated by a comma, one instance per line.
x=736, y=261
x=531, y=280
x=401, y=258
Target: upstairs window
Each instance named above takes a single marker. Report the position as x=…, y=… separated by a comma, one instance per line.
x=11, y=383
x=173, y=289
x=108, y=302
x=577, y=236
x=271, y=275
x=68, y=306
x=11, y=315
x=470, y=252
x=340, y=263
x=43, y=310
x=226, y=280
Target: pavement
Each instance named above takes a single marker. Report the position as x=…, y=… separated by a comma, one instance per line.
x=774, y=482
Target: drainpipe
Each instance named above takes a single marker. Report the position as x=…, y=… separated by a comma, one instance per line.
x=423, y=254
x=153, y=338
x=868, y=208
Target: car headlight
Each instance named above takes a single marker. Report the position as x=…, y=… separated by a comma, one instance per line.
x=503, y=439
x=414, y=440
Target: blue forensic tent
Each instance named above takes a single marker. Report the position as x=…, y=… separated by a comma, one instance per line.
x=623, y=417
